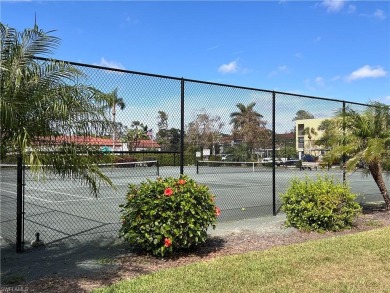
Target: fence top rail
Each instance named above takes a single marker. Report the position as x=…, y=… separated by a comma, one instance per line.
x=199, y=81
x=228, y=162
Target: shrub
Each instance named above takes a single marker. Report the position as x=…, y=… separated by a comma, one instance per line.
x=124, y=159
x=319, y=205
x=167, y=215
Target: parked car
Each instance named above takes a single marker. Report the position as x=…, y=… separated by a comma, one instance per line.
x=292, y=163
x=268, y=162
x=227, y=157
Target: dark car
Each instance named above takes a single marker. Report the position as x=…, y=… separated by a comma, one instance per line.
x=308, y=158
x=291, y=163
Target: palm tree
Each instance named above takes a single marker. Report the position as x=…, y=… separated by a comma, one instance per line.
x=364, y=137
x=137, y=133
x=113, y=102
x=43, y=105
x=248, y=124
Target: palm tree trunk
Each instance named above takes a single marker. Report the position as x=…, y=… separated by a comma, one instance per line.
x=113, y=127
x=376, y=172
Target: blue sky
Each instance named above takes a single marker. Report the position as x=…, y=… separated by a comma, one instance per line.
x=334, y=49
x=331, y=49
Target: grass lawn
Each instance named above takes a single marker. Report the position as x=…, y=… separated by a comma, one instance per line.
x=355, y=263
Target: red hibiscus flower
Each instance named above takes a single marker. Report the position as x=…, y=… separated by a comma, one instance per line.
x=217, y=211
x=168, y=191
x=181, y=182
x=167, y=242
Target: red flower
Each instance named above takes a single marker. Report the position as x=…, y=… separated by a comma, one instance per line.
x=217, y=211
x=167, y=242
x=181, y=182
x=168, y=191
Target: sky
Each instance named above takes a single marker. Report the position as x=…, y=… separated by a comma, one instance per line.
x=330, y=49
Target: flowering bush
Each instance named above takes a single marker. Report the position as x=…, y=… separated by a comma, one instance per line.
x=166, y=215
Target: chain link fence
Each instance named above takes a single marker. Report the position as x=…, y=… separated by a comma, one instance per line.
x=245, y=144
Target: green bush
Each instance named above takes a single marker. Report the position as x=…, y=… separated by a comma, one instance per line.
x=165, y=159
x=123, y=159
x=319, y=205
x=167, y=215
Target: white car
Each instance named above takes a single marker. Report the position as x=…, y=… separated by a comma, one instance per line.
x=225, y=157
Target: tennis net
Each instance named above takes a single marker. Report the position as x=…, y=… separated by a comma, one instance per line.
x=210, y=167
x=111, y=170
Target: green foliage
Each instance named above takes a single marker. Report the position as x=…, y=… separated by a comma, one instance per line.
x=165, y=159
x=44, y=104
x=361, y=137
x=319, y=205
x=123, y=159
x=167, y=214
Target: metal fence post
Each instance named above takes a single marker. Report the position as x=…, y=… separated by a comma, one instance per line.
x=344, y=157
x=19, y=205
x=273, y=155
x=182, y=128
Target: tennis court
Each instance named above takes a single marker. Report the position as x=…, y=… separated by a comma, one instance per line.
x=64, y=209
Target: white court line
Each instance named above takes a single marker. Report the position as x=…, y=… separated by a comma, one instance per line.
x=70, y=200
x=3, y=190
x=12, y=184
x=37, y=198
x=53, y=191
x=234, y=186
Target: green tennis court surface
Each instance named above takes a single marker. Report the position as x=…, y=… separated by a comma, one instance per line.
x=61, y=209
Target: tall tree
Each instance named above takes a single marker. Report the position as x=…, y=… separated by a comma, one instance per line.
x=328, y=128
x=162, y=135
x=302, y=114
x=135, y=134
x=43, y=105
x=363, y=137
x=248, y=125
x=113, y=103
x=204, y=131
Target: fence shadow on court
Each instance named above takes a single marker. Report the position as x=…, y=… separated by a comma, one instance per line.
x=94, y=260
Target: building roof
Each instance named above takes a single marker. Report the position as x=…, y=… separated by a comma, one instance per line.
x=86, y=140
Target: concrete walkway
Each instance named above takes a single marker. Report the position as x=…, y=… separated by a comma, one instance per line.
x=271, y=224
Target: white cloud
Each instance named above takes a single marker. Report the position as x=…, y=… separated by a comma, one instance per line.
x=231, y=67
x=280, y=69
x=112, y=64
x=384, y=100
x=351, y=8
x=333, y=5
x=366, y=72
x=212, y=48
x=298, y=55
x=320, y=81
x=379, y=14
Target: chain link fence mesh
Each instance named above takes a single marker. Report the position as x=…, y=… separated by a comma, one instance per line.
x=8, y=179
x=231, y=137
